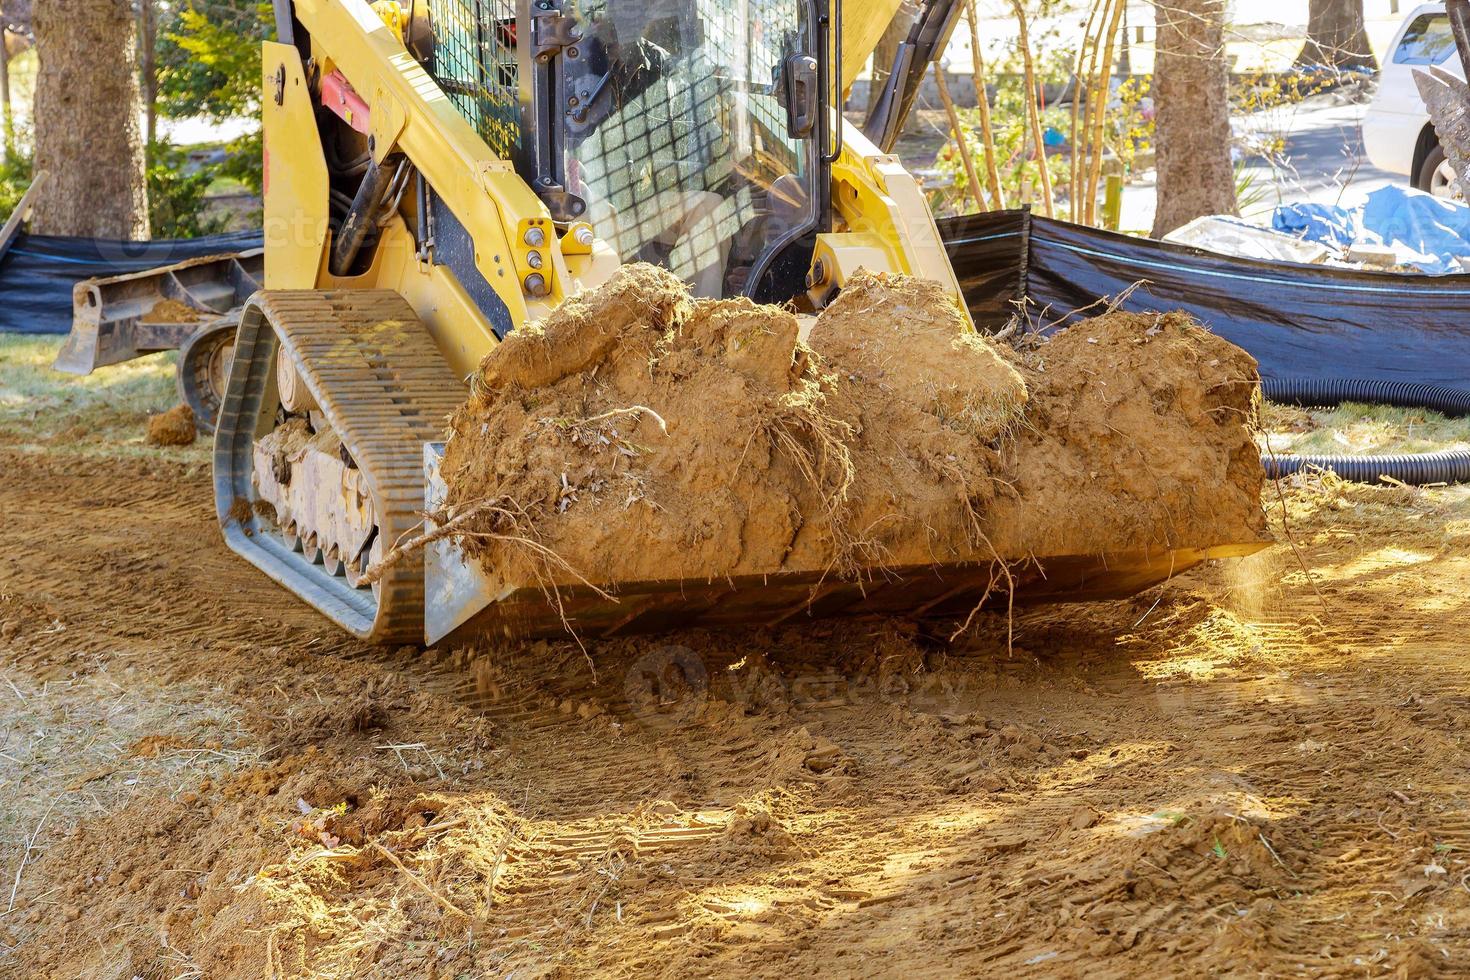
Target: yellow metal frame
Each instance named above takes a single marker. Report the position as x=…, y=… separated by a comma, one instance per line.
x=412, y=114
x=863, y=24
x=883, y=222
x=295, y=216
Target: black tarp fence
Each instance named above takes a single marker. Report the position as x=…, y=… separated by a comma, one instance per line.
x=38, y=272
x=1299, y=321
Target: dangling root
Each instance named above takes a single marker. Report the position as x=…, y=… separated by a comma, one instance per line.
x=1005, y=572
x=402, y=550
x=455, y=526
x=818, y=446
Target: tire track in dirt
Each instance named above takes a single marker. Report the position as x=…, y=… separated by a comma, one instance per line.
x=145, y=565
x=1174, y=786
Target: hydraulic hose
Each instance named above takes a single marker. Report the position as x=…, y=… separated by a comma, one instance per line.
x=360, y=219
x=1415, y=469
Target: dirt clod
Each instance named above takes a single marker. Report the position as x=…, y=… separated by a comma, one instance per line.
x=172, y=311
x=174, y=427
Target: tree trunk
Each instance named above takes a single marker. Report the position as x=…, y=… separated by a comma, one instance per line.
x=148, y=67
x=1192, y=114
x=982, y=102
x=1096, y=140
x=86, y=121
x=895, y=34
x=957, y=131
x=1033, y=109
x=1335, y=36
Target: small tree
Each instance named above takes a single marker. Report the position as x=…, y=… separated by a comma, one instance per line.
x=209, y=60
x=209, y=65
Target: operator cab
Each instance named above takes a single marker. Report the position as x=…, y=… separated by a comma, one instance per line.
x=690, y=133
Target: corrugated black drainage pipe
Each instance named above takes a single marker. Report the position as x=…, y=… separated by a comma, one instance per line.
x=1415, y=469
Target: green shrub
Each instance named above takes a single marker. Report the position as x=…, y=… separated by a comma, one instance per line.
x=15, y=177
x=176, y=201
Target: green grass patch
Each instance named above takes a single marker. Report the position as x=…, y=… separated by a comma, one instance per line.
x=221, y=186
x=105, y=413
x=1357, y=429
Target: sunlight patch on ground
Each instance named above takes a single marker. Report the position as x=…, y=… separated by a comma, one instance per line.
x=1374, y=561
x=1216, y=645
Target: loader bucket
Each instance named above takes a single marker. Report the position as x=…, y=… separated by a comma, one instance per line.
x=459, y=602
x=118, y=318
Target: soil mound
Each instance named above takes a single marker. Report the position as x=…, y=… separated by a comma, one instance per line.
x=643, y=433
x=1137, y=435
x=639, y=434
x=172, y=311
x=172, y=428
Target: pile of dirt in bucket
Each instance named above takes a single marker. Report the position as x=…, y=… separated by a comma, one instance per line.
x=172, y=311
x=174, y=427
x=639, y=434
x=1137, y=435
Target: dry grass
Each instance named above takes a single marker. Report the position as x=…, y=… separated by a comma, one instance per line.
x=337, y=909
x=1325, y=503
x=86, y=745
x=1357, y=429
x=991, y=415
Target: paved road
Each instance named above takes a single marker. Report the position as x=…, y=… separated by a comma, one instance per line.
x=1322, y=161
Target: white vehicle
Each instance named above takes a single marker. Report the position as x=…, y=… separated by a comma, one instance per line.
x=1397, y=134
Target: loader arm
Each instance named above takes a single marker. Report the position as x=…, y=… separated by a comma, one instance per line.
x=889, y=107
x=410, y=116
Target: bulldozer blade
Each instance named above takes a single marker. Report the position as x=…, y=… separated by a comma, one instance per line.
x=118, y=318
x=1448, y=100
x=460, y=602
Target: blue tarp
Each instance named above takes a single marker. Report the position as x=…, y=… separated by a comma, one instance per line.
x=38, y=272
x=1325, y=223
x=1435, y=227
x=1428, y=233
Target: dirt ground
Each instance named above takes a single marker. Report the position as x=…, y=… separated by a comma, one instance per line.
x=1259, y=768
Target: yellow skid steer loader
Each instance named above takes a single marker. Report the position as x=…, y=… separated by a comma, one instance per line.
x=441, y=172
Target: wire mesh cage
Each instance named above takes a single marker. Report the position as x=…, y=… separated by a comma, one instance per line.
x=474, y=63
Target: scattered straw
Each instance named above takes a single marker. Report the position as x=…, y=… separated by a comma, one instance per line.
x=446, y=903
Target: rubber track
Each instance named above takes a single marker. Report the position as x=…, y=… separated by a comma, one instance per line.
x=382, y=384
